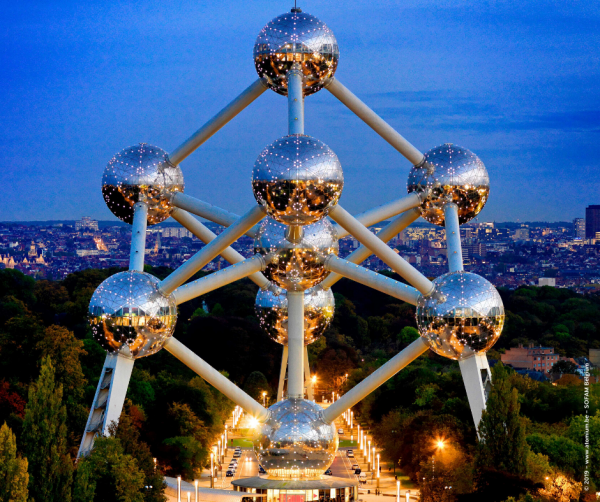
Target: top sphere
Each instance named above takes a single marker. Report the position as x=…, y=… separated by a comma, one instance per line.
x=452, y=174
x=127, y=311
x=295, y=441
x=298, y=179
x=296, y=37
x=465, y=317
x=141, y=173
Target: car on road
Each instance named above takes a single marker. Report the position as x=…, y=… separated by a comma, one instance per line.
x=350, y=453
x=237, y=454
x=362, y=478
x=230, y=474
x=340, y=431
x=261, y=469
x=355, y=466
x=328, y=472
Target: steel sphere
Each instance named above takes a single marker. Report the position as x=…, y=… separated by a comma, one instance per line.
x=295, y=441
x=452, y=174
x=127, y=312
x=272, y=310
x=298, y=179
x=464, y=317
x=296, y=267
x=141, y=173
x=296, y=37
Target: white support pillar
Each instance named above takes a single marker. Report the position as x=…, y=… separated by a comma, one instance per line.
x=218, y=121
x=295, y=344
x=477, y=377
x=384, y=212
x=374, y=121
x=372, y=279
x=208, y=211
x=216, y=379
x=138, y=236
x=381, y=250
x=206, y=235
x=282, y=372
x=211, y=250
x=307, y=380
x=453, y=244
x=392, y=229
x=295, y=100
x=375, y=379
x=109, y=398
x=218, y=279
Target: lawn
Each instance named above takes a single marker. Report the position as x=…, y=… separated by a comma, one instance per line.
x=346, y=443
x=244, y=443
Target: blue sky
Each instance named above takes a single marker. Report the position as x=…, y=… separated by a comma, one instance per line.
x=515, y=82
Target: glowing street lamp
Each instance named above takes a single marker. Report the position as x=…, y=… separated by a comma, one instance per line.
x=196, y=490
x=178, y=488
x=398, y=491
x=264, y=398
x=212, y=470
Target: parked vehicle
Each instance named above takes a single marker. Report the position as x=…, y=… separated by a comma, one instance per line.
x=328, y=472
x=340, y=431
x=350, y=453
x=261, y=469
x=355, y=466
x=362, y=478
x=229, y=474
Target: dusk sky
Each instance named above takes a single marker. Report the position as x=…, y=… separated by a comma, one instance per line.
x=516, y=82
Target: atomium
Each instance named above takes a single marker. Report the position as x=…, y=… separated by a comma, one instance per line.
x=271, y=308
x=141, y=173
x=298, y=179
x=296, y=267
x=464, y=317
x=296, y=38
x=128, y=312
x=452, y=174
x=295, y=441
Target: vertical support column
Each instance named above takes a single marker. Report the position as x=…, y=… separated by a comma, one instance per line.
x=138, y=237
x=477, y=377
x=109, y=398
x=307, y=380
x=455, y=260
x=284, y=362
x=295, y=100
x=296, y=344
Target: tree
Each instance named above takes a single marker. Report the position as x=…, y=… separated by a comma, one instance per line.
x=116, y=475
x=502, y=444
x=564, y=367
x=84, y=488
x=13, y=469
x=560, y=488
x=408, y=335
x=256, y=384
x=45, y=439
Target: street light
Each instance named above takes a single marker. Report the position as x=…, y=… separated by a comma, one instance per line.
x=407, y=495
x=264, y=398
x=196, y=485
x=212, y=470
x=178, y=488
x=398, y=491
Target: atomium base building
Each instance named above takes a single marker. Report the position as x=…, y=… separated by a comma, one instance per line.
x=297, y=181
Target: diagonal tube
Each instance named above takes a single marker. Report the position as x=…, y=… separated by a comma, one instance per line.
x=206, y=235
x=372, y=279
x=453, y=244
x=218, y=121
x=218, y=279
x=216, y=379
x=381, y=250
x=392, y=229
x=212, y=249
x=374, y=121
x=383, y=212
x=375, y=379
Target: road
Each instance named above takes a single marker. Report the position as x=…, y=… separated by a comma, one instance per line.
x=247, y=468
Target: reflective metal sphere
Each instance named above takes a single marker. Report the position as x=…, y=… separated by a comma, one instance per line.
x=272, y=310
x=296, y=267
x=298, y=179
x=453, y=174
x=141, y=173
x=296, y=37
x=128, y=312
x=295, y=441
x=464, y=317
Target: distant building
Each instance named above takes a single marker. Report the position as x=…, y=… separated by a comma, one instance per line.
x=531, y=358
x=547, y=281
x=579, y=228
x=86, y=223
x=592, y=221
x=521, y=234
x=595, y=357
x=176, y=232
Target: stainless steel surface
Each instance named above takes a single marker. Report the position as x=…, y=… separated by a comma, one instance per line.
x=295, y=441
x=141, y=173
x=298, y=179
x=296, y=37
x=272, y=310
x=128, y=312
x=296, y=267
x=463, y=317
x=453, y=174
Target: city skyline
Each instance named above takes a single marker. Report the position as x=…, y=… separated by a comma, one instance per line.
x=81, y=85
